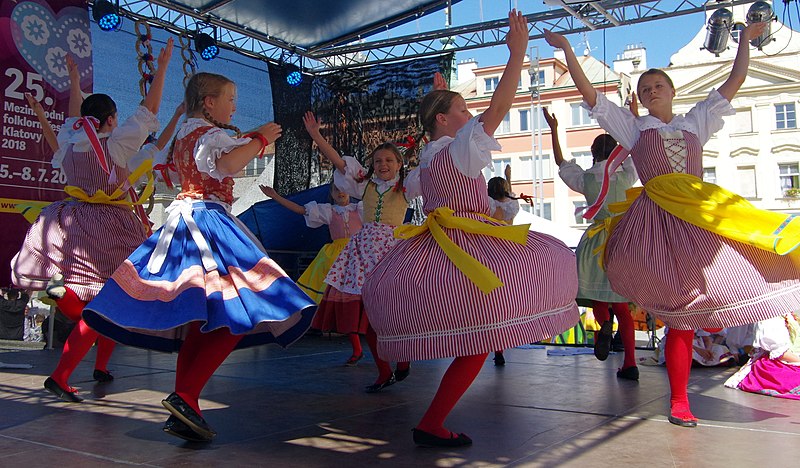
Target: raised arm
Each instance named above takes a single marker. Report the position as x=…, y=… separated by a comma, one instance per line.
x=270, y=192
x=47, y=129
x=551, y=120
x=503, y=97
x=169, y=130
x=312, y=127
x=575, y=70
x=742, y=61
x=75, y=94
x=153, y=99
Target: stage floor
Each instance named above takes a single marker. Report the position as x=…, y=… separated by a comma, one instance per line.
x=301, y=407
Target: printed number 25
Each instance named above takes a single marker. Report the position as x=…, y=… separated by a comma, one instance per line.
x=31, y=82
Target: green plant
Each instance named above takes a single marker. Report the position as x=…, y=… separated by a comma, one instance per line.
x=792, y=193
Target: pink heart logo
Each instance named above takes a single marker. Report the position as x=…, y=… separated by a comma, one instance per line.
x=44, y=39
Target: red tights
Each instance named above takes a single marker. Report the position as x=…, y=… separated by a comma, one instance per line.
x=200, y=356
x=456, y=380
x=625, y=320
x=678, y=354
x=355, y=342
x=384, y=369
x=79, y=342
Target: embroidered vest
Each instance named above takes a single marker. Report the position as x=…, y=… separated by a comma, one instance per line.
x=388, y=207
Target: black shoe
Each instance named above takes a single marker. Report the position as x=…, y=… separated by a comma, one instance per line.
x=629, y=373
x=353, y=360
x=102, y=376
x=177, y=428
x=426, y=439
x=401, y=374
x=375, y=388
x=55, y=287
x=499, y=359
x=603, y=345
x=66, y=395
x=682, y=422
x=177, y=406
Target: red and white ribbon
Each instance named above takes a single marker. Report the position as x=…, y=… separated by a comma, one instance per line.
x=617, y=157
x=90, y=125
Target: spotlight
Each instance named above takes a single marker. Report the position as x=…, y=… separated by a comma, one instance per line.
x=719, y=24
x=293, y=75
x=761, y=12
x=206, y=46
x=107, y=15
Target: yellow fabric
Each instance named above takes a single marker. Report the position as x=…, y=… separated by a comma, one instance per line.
x=479, y=274
x=30, y=209
x=312, y=281
x=603, y=225
x=118, y=197
x=720, y=211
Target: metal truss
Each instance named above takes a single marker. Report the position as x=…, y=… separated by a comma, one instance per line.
x=567, y=16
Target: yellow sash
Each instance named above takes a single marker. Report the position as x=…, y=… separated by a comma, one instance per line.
x=479, y=274
x=117, y=198
x=716, y=210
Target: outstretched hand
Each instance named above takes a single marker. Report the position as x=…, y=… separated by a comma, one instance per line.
x=268, y=191
x=165, y=54
x=634, y=105
x=517, y=37
x=439, y=83
x=35, y=105
x=753, y=30
x=311, y=123
x=551, y=120
x=72, y=68
x=271, y=131
x=556, y=40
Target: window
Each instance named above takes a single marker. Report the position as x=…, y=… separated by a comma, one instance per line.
x=499, y=166
x=579, y=219
x=584, y=159
x=505, y=125
x=526, y=207
x=747, y=181
x=490, y=84
x=790, y=176
x=547, y=211
x=785, y=116
x=743, y=121
x=255, y=167
x=524, y=120
x=710, y=175
x=538, y=80
x=547, y=167
x=580, y=116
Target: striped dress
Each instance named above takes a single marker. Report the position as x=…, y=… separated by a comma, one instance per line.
x=202, y=266
x=688, y=277
x=423, y=307
x=85, y=241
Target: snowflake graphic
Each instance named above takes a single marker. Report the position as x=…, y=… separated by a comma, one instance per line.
x=79, y=43
x=56, y=59
x=35, y=30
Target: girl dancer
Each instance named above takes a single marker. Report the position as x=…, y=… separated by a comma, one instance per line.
x=384, y=191
x=460, y=285
x=592, y=280
x=79, y=242
x=343, y=220
x=203, y=283
x=689, y=252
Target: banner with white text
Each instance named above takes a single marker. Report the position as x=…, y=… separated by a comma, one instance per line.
x=35, y=38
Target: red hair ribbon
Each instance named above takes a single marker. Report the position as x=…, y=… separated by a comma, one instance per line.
x=164, y=169
x=408, y=143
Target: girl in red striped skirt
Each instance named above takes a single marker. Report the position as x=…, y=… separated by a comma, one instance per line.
x=691, y=253
x=384, y=190
x=460, y=286
x=80, y=241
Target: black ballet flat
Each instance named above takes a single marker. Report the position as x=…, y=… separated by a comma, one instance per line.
x=176, y=427
x=102, y=376
x=604, y=337
x=401, y=374
x=629, y=373
x=178, y=407
x=426, y=439
x=682, y=422
x=375, y=388
x=66, y=395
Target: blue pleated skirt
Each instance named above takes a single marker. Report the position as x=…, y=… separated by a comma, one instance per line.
x=207, y=268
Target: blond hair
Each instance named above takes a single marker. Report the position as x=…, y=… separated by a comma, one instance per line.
x=200, y=86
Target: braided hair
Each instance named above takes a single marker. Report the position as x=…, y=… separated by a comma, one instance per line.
x=498, y=188
x=388, y=146
x=200, y=86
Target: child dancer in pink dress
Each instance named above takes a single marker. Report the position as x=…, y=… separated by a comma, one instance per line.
x=343, y=220
x=690, y=253
x=464, y=284
x=384, y=190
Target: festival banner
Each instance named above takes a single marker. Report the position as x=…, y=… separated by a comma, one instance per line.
x=35, y=38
